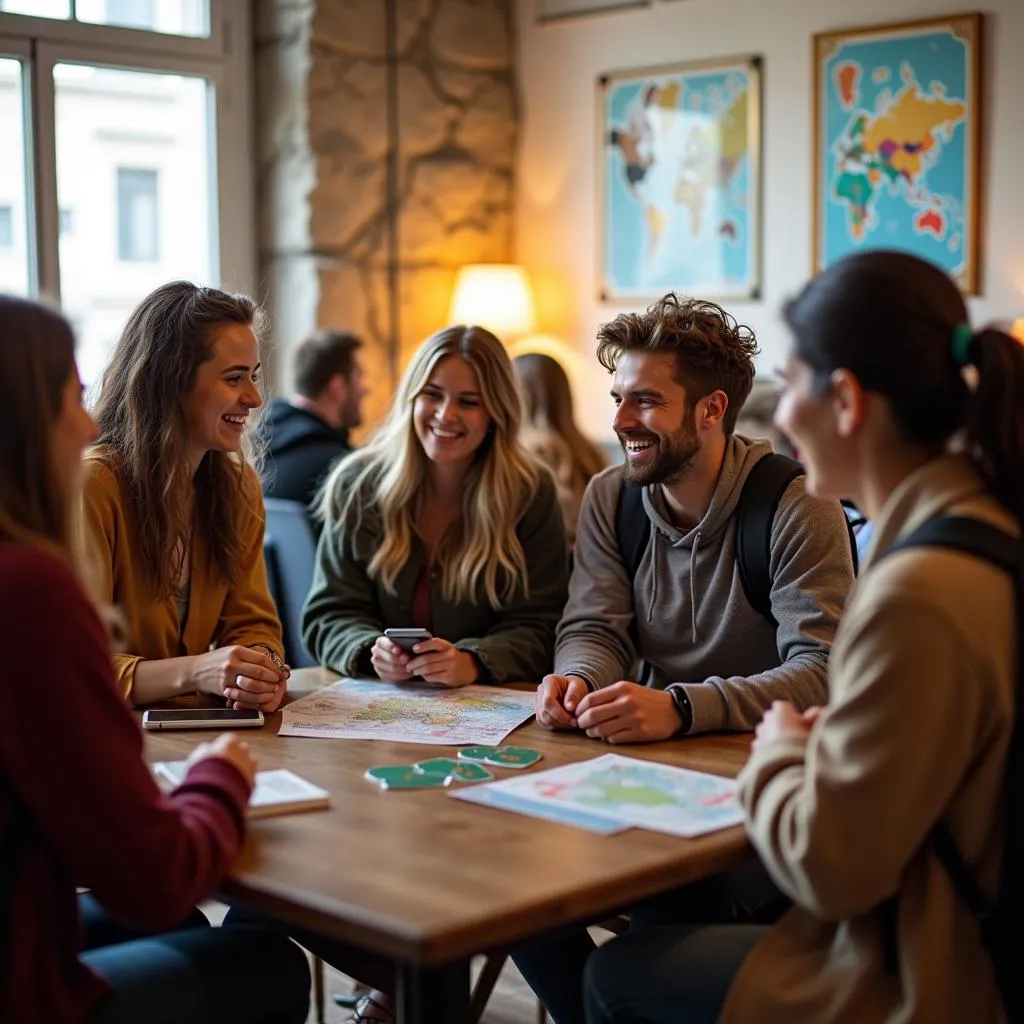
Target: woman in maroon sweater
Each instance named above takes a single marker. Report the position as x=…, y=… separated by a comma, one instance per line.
x=77, y=805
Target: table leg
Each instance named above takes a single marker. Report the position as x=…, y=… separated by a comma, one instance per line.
x=433, y=995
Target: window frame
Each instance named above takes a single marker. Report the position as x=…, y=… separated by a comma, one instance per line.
x=224, y=58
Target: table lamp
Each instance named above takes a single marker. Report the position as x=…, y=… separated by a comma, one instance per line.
x=1017, y=329
x=496, y=296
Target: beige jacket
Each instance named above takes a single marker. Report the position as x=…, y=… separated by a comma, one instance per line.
x=922, y=679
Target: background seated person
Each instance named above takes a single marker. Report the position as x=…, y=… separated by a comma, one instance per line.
x=841, y=801
x=78, y=805
x=551, y=436
x=307, y=432
x=442, y=521
x=173, y=509
x=710, y=660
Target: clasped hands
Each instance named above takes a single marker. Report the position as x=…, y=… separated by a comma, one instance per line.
x=624, y=712
x=247, y=677
x=434, y=661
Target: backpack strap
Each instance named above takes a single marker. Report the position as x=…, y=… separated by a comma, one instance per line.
x=998, y=931
x=759, y=500
x=632, y=527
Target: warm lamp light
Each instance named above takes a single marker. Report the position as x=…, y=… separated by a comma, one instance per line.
x=1017, y=329
x=496, y=296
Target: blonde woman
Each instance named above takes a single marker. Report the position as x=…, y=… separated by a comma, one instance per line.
x=550, y=433
x=443, y=522
x=173, y=508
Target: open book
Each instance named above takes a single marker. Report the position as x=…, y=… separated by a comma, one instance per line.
x=277, y=792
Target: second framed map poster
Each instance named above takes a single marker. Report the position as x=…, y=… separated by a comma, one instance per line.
x=679, y=158
x=897, y=124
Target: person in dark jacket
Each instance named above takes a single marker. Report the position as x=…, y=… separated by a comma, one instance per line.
x=307, y=432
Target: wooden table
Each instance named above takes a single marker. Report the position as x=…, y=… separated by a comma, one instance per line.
x=424, y=882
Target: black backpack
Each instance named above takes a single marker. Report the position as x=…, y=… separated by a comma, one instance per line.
x=759, y=500
x=1000, y=925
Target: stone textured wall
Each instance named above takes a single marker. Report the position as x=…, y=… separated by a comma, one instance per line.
x=323, y=140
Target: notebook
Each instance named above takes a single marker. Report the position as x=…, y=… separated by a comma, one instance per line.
x=277, y=791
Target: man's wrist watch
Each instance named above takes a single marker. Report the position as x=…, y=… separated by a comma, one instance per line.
x=684, y=708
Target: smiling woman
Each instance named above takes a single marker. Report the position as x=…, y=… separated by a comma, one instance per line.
x=173, y=507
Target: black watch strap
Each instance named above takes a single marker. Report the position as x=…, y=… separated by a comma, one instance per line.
x=685, y=709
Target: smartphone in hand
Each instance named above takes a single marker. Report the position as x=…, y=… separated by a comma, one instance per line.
x=408, y=638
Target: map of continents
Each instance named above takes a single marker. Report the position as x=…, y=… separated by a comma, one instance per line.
x=896, y=164
x=679, y=189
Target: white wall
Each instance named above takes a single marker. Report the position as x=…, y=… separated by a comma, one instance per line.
x=556, y=228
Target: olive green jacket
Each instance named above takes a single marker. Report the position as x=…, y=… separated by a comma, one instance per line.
x=346, y=610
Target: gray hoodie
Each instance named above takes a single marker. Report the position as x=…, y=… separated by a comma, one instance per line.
x=694, y=624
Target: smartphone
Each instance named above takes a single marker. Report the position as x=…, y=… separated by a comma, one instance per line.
x=408, y=638
x=203, y=718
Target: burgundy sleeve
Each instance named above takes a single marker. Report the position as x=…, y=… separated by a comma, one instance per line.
x=75, y=757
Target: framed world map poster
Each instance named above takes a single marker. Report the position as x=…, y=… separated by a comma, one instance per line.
x=679, y=194
x=896, y=124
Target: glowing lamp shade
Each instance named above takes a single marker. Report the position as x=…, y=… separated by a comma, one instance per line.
x=496, y=296
x=1017, y=329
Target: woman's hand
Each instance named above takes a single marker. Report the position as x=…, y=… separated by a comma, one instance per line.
x=229, y=748
x=389, y=661
x=437, y=661
x=245, y=676
x=782, y=720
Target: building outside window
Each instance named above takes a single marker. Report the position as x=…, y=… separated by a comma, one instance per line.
x=138, y=217
x=6, y=227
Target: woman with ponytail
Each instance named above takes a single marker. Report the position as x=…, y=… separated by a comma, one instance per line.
x=895, y=402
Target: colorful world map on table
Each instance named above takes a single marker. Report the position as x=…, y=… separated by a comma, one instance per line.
x=680, y=200
x=895, y=161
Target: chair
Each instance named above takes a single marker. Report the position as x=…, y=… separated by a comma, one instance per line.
x=289, y=548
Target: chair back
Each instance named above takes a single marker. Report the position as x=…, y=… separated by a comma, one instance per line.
x=289, y=546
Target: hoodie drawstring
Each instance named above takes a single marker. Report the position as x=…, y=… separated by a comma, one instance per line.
x=693, y=586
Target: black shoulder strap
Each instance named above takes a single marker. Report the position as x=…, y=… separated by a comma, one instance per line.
x=999, y=931
x=632, y=527
x=762, y=491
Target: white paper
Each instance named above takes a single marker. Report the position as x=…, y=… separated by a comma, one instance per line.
x=277, y=791
x=646, y=794
x=403, y=713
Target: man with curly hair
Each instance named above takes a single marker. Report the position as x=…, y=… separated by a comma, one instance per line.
x=670, y=643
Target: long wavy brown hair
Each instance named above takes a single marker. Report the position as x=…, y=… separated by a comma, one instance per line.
x=548, y=409
x=37, y=354
x=143, y=431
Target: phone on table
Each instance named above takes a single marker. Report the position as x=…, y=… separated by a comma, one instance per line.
x=408, y=638
x=203, y=718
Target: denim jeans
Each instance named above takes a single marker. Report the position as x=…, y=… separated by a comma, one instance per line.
x=677, y=975
x=554, y=967
x=194, y=973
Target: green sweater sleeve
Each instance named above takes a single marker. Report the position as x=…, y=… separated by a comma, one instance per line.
x=519, y=647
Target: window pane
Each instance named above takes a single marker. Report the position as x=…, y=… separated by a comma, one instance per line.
x=135, y=165
x=137, y=225
x=14, y=223
x=37, y=8
x=176, y=17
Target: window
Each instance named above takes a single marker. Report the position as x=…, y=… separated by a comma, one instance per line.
x=131, y=13
x=6, y=227
x=152, y=179
x=137, y=215
x=174, y=17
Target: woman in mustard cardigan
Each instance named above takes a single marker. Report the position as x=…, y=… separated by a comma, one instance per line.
x=173, y=509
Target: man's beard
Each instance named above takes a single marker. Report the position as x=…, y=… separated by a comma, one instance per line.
x=675, y=458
